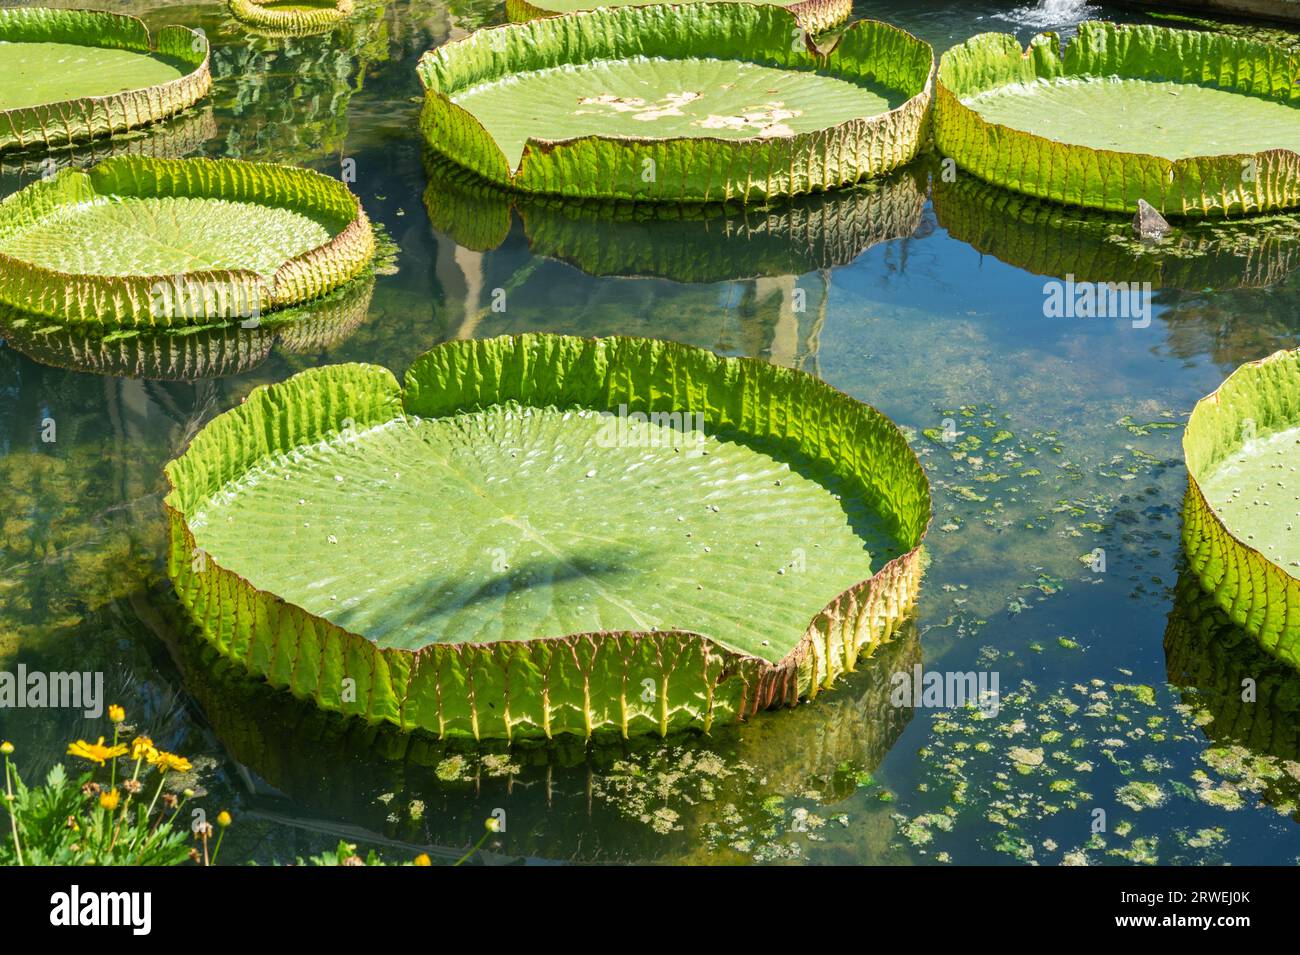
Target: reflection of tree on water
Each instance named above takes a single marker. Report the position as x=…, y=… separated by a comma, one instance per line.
x=1227, y=289
x=773, y=320
x=1234, y=327
x=288, y=97
x=752, y=280
x=1253, y=699
x=778, y=318
x=645, y=799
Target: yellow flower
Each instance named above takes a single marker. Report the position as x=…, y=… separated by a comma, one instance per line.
x=116, y=714
x=423, y=859
x=95, y=752
x=169, y=762
x=223, y=819
x=109, y=800
x=6, y=748
x=492, y=824
x=142, y=748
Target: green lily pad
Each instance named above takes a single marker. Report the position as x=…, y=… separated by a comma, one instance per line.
x=193, y=352
x=67, y=76
x=745, y=532
x=1195, y=123
x=139, y=242
x=681, y=242
x=1241, y=518
x=291, y=17
x=1050, y=239
x=709, y=102
x=815, y=15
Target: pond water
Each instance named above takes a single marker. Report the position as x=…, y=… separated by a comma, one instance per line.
x=1052, y=441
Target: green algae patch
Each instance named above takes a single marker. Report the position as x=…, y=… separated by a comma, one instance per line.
x=707, y=102
x=1092, y=749
x=1195, y=123
x=142, y=242
x=1141, y=795
x=1242, y=447
x=67, y=76
x=310, y=538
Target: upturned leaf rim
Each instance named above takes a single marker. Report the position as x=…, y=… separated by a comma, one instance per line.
x=816, y=16
x=189, y=298
x=693, y=168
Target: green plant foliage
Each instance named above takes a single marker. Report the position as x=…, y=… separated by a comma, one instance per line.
x=514, y=626
x=665, y=103
x=291, y=17
x=685, y=243
x=226, y=240
x=1195, y=123
x=1242, y=446
x=119, y=79
x=815, y=15
x=117, y=814
x=1054, y=240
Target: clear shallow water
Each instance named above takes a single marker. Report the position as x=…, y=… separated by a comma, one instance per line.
x=900, y=312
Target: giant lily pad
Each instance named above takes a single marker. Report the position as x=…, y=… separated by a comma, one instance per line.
x=1241, y=518
x=545, y=535
x=138, y=242
x=194, y=351
x=1095, y=246
x=700, y=102
x=67, y=76
x=291, y=17
x=681, y=242
x=1195, y=123
x=815, y=15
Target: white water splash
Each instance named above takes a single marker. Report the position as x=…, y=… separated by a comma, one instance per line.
x=1050, y=13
